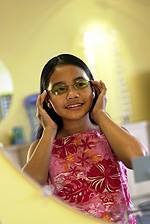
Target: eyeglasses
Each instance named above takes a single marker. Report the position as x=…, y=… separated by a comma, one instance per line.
x=62, y=88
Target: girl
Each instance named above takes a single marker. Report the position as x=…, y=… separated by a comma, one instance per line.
x=79, y=150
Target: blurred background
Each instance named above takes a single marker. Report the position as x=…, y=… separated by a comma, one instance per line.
x=111, y=36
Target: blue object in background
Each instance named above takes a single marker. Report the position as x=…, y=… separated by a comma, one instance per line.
x=30, y=105
x=18, y=135
x=143, y=219
x=5, y=102
x=141, y=167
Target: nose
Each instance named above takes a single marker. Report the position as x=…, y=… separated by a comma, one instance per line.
x=72, y=93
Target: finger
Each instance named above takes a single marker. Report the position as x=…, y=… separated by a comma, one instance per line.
x=103, y=84
x=100, y=87
x=37, y=100
x=103, y=88
x=42, y=98
x=38, y=106
x=40, y=112
x=96, y=86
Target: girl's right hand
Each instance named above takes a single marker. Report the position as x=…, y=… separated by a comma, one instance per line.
x=42, y=115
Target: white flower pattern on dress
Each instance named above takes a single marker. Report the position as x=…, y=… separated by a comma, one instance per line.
x=86, y=174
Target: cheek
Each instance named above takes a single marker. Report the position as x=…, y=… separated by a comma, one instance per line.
x=57, y=104
x=89, y=97
x=90, y=101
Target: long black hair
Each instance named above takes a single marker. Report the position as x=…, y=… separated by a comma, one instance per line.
x=49, y=68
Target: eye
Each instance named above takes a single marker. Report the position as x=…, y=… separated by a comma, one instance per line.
x=59, y=89
x=82, y=83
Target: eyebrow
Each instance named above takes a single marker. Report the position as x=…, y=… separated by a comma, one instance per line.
x=74, y=80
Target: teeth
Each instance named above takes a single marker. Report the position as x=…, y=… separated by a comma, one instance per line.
x=75, y=105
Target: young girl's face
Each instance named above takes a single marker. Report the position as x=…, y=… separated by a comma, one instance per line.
x=70, y=92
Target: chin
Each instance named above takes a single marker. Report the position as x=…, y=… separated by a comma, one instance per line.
x=75, y=116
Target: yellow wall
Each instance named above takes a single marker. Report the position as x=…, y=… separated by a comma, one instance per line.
x=32, y=33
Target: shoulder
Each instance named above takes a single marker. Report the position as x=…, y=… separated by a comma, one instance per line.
x=31, y=149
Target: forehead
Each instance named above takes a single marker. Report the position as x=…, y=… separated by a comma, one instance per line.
x=67, y=73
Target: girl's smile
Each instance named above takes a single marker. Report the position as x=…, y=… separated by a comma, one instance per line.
x=70, y=92
x=74, y=106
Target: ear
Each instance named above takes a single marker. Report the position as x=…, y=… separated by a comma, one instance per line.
x=47, y=100
x=93, y=92
x=49, y=104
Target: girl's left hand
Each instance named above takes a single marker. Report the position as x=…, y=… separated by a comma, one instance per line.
x=100, y=104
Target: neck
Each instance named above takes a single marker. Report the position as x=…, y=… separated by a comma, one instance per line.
x=71, y=127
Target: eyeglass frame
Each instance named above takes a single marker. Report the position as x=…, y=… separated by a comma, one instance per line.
x=73, y=85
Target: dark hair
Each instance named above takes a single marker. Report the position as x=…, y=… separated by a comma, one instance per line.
x=48, y=70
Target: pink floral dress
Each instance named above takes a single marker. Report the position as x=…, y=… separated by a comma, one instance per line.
x=85, y=173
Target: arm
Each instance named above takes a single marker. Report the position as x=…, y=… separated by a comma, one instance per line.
x=39, y=152
x=124, y=145
x=38, y=157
